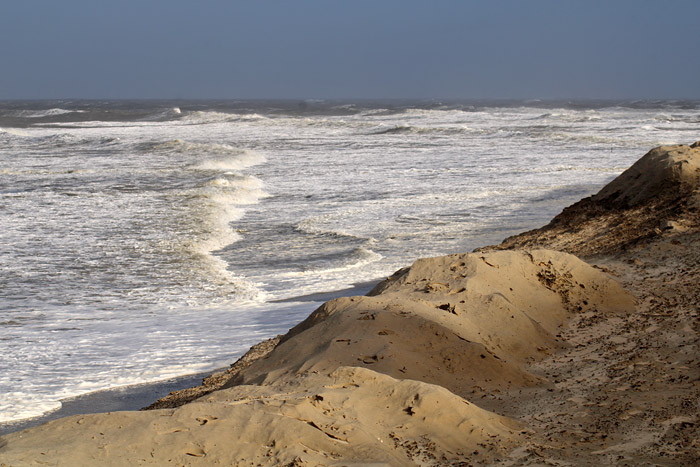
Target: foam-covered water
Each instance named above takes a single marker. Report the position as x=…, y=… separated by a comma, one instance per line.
x=145, y=240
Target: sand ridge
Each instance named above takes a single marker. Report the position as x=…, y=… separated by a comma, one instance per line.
x=658, y=193
x=462, y=321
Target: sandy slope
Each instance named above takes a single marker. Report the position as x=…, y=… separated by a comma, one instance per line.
x=352, y=414
x=628, y=390
x=510, y=357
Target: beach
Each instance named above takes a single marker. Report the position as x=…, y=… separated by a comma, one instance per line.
x=141, y=235
x=573, y=343
x=343, y=234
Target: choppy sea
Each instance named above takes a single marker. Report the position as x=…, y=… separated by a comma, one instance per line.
x=151, y=239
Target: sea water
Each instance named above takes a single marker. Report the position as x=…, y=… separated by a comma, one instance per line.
x=145, y=240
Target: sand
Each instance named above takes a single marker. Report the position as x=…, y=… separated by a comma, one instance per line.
x=516, y=354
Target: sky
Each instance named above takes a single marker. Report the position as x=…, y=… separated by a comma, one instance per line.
x=351, y=49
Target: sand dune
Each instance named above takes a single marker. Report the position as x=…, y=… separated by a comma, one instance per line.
x=504, y=356
x=353, y=415
x=658, y=193
x=464, y=322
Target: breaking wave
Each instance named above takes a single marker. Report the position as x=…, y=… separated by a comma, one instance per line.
x=202, y=117
x=444, y=130
x=357, y=258
x=241, y=160
x=228, y=158
x=45, y=113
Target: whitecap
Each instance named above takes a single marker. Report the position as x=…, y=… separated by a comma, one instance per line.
x=204, y=117
x=46, y=113
x=241, y=159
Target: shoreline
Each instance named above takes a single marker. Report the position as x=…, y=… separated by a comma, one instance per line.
x=359, y=288
x=577, y=341
x=129, y=397
x=139, y=396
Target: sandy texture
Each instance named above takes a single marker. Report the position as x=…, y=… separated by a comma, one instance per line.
x=627, y=391
x=465, y=322
x=658, y=193
x=354, y=415
x=503, y=357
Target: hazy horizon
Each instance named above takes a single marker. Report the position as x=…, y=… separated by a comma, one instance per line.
x=410, y=50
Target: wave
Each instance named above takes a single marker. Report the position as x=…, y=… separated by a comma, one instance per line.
x=239, y=196
x=65, y=139
x=165, y=115
x=315, y=226
x=45, y=113
x=213, y=206
x=222, y=198
x=399, y=129
x=203, y=117
x=357, y=258
x=567, y=137
x=569, y=116
x=239, y=160
x=13, y=132
x=237, y=181
x=180, y=146
x=58, y=140
x=234, y=158
x=678, y=118
x=410, y=129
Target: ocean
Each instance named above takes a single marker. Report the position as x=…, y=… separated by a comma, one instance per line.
x=143, y=240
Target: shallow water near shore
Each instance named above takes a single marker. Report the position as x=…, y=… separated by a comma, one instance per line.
x=147, y=240
x=132, y=397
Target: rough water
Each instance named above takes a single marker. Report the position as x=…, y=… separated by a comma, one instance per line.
x=146, y=240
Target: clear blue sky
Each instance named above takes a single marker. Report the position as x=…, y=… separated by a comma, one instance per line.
x=350, y=49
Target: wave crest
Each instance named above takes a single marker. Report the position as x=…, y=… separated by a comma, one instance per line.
x=410, y=129
x=204, y=117
x=241, y=160
x=359, y=257
x=45, y=113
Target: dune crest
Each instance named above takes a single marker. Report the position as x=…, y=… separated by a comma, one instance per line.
x=467, y=322
x=659, y=192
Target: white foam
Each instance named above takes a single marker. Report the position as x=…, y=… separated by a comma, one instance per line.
x=13, y=131
x=46, y=113
x=18, y=405
x=221, y=201
x=241, y=160
x=204, y=117
x=362, y=257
